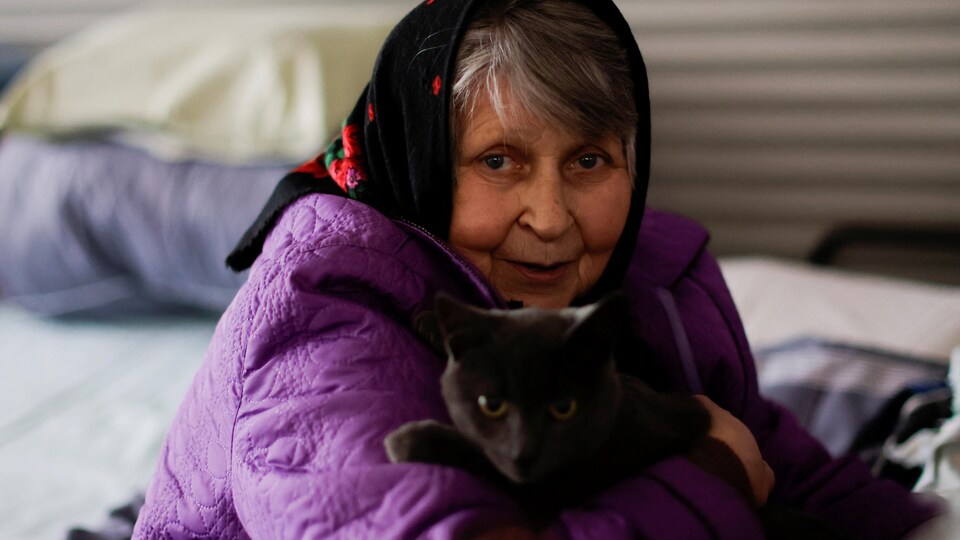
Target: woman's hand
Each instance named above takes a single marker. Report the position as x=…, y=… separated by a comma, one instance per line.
x=728, y=429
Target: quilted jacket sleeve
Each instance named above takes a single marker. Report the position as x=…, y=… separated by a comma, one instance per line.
x=328, y=372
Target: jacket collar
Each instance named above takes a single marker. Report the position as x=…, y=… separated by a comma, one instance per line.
x=666, y=247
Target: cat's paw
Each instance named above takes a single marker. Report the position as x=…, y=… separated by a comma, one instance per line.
x=397, y=445
x=401, y=443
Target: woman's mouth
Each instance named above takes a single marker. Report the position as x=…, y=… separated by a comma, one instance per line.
x=541, y=272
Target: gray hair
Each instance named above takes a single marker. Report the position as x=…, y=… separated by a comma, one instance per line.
x=556, y=60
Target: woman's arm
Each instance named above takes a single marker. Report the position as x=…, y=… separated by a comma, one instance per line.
x=670, y=499
x=326, y=378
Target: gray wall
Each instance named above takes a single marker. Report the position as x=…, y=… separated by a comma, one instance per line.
x=775, y=120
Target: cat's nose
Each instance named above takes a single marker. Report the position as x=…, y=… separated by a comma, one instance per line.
x=524, y=462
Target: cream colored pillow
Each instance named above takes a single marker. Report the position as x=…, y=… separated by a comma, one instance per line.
x=237, y=84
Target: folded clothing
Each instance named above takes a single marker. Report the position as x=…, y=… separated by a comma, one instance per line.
x=839, y=392
x=100, y=228
x=936, y=449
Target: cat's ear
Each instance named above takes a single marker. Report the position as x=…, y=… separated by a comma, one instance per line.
x=598, y=326
x=462, y=326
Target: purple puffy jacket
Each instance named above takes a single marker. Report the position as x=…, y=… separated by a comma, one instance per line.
x=280, y=436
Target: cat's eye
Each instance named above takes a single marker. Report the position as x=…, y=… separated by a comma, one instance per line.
x=492, y=406
x=563, y=409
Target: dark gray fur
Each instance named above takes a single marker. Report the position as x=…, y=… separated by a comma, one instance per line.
x=532, y=358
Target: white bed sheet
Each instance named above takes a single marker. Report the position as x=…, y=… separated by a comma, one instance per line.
x=84, y=407
x=780, y=300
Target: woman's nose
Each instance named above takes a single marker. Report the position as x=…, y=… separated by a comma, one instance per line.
x=545, y=209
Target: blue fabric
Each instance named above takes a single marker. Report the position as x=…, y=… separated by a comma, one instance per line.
x=836, y=389
x=96, y=228
x=12, y=59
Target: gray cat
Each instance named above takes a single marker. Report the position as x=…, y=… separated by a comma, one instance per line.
x=539, y=408
x=534, y=396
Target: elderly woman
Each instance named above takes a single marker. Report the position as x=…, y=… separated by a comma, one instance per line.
x=499, y=154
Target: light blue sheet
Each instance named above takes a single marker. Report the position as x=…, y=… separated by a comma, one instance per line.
x=84, y=407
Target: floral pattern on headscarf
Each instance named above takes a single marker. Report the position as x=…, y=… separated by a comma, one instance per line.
x=341, y=162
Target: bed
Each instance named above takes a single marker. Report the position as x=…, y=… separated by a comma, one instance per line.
x=86, y=404
x=117, y=215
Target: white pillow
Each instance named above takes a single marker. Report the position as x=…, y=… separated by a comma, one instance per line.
x=780, y=301
x=240, y=83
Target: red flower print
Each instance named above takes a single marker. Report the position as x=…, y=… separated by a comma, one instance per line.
x=429, y=2
x=437, y=85
x=354, y=177
x=313, y=167
x=347, y=173
x=338, y=173
x=370, y=115
x=352, y=146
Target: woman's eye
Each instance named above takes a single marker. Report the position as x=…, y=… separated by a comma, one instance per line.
x=563, y=409
x=589, y=161
x=491, y=406
x=495, y=162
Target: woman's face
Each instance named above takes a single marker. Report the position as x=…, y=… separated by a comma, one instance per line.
x=537, y=209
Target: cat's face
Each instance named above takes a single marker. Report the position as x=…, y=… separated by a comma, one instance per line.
x=535, y=389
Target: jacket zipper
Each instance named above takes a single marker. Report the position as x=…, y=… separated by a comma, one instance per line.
x=680, y=339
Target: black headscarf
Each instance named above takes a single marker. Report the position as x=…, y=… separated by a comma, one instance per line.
x=394, y=151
